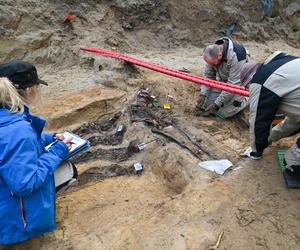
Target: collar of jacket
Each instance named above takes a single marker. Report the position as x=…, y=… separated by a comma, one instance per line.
x=7, y=118
x=37, y=123
x=274, y=56
x=225, y=42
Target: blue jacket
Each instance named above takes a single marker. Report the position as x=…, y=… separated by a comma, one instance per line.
x=27, y=189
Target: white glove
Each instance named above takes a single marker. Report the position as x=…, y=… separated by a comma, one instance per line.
x=250, y=154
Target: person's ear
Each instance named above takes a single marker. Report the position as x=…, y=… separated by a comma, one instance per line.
x=220, y=51
x=220, y=54
x=29, y=94
x=28, y=91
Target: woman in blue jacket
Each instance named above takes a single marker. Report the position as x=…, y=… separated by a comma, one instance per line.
x=27, y=189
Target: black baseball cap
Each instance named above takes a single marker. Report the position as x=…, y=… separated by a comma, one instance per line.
x=21, y=74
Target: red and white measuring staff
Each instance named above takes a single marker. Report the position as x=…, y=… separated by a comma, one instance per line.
x=125, y=57
x=182, y=75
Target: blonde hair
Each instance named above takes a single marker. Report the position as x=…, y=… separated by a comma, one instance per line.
x=32, y=96
x=9, y=96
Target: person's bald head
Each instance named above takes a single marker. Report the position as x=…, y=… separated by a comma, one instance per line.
x=213, y=54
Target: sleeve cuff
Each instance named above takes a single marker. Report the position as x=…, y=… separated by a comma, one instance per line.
x=59, y=149
x=48, y=138
x=255, y=154
x=216, y=107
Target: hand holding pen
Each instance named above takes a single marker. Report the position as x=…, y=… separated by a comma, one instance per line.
x=67, y=140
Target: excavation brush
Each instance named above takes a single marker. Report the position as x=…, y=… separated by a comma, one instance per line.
x=171, y=72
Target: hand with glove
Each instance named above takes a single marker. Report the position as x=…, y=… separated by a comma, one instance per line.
x=253, y=155
x=212, y=108
x=200, y=102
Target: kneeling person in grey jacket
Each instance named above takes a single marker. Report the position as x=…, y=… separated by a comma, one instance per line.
x=224, y=60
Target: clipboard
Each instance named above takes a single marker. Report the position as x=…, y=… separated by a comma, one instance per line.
x=78, y=145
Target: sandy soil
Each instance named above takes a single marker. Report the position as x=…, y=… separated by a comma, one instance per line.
x=173, y=204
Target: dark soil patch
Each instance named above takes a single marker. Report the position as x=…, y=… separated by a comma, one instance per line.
x=108, y=139
x=101, y=173
x=113, y=154
x=95, y=127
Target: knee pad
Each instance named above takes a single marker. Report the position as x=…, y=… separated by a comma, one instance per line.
x=293, y=170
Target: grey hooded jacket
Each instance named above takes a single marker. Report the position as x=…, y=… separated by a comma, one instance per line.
x=228, y=70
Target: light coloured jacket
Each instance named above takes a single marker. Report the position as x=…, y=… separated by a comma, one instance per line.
x=275, y=88
x=228, y=70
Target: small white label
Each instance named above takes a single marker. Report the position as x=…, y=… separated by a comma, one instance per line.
x=138, y=167
x=120, y=128
x=141, y=146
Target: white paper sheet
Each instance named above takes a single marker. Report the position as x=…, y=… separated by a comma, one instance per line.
x=218, y=166
x=76, y=141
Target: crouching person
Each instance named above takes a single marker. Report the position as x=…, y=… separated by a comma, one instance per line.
x=274, y=88
x=224, y=60
x=27, y=187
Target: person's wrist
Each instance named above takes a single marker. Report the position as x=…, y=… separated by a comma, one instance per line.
x=256, y=154
x=216, y=107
